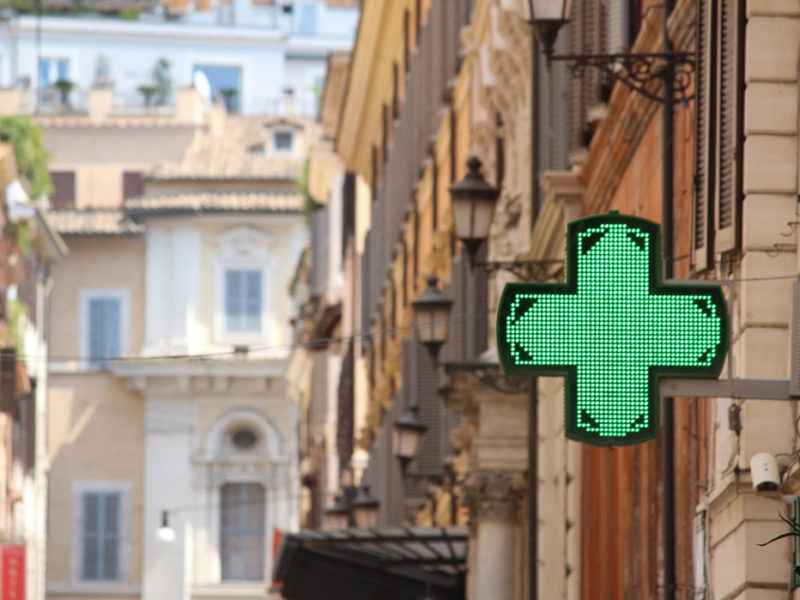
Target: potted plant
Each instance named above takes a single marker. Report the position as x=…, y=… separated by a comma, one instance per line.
x=64, y=87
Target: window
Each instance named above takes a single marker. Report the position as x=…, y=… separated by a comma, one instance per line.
x=52, y=70
x=283, y=141
x=101, y=536
x=307, y=19
x=242, y=301
x=244, y=439
x=242, y=531
x=104, y=318
x=104, y=329
x=225, y=83
x=132, y=184
x=63, y=190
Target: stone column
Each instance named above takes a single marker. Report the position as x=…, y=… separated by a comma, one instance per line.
x=493, y=498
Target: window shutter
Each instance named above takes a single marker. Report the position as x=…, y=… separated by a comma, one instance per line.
x=104, y=329
x=233, y=299
x=101, y=536
x=729, y=125
x=253, y=300
x=366, y=302
x=617, y=26
x=431, y=412
x=704, y=168
x=63, y=197
x=132, y=184
x=91, y=536
x=111, y=535
x=476, y=321
x=456, y=290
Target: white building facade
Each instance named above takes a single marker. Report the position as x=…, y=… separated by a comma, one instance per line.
x=259, y=58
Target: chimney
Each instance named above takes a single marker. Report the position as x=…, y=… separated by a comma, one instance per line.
x=189, y=106
x=101, y=102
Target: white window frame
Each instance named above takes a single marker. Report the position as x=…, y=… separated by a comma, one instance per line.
x=88, y=294
x=249, y=249
x=242, y=269
x=125, y=491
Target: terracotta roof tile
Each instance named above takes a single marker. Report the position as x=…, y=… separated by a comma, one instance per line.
x=114, y=122
x=216, y=202
x=235, y=154
x=92, y=222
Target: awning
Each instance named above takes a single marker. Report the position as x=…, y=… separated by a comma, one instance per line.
x=384, y=564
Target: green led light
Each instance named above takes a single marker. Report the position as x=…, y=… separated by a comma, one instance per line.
x=613, y=329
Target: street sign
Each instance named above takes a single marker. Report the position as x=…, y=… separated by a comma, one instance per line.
x=612, y=330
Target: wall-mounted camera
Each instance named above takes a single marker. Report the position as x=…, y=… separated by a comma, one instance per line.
x=764, y=471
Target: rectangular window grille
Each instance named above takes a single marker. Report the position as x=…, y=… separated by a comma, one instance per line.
x=105, y=329
x=242, y=532
x=243, y=301
x=101, y=536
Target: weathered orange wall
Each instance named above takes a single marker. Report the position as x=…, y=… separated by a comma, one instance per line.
x=622, y=501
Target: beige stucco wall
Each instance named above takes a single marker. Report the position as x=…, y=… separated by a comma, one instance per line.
x=95, y=432
x=96, y=262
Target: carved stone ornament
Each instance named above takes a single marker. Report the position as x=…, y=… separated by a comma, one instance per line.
x=494, y=495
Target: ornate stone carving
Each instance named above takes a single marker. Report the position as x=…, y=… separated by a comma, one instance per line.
x=494, y=495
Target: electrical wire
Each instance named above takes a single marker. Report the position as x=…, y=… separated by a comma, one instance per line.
x=313, y=343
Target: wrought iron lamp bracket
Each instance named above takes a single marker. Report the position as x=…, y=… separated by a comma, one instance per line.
x=637, y=70
x=527, y=270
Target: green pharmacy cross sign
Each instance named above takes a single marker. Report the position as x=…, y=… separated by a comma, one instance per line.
x=612, y=330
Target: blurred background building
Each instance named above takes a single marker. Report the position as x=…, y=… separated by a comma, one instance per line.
x=431, y=86
x=256, y=57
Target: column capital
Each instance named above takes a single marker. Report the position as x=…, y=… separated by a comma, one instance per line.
x=494, y=494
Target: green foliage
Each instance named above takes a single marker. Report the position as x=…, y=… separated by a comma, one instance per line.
x=309, y=204
x=26, y=137
x=18, y=311
x=129, y=14
x=162, y=80
x=20, y=234
x=794, y=530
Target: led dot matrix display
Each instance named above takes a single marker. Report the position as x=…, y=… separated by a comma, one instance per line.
x=613, y=329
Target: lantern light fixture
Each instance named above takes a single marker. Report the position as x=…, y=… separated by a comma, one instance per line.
x=365, y=509
x=409, y=432
x=473, y=200
x=432, y=317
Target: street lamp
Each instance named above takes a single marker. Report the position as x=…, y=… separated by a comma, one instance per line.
x=365, y=509
x=338, y=515
x=473, y=206
x=165, y=533
x=634, y=69
x=548, y=16
x=432, y=317
x=408, y=434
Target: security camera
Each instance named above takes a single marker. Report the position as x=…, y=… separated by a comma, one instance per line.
x=764, y=471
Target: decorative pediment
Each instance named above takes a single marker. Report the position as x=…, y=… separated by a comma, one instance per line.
x=245, y=242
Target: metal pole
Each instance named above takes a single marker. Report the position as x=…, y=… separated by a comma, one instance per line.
x=533, y=407
x=533, y=488
x=668, y=432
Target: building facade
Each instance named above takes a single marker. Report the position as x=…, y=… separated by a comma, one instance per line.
x=55, y=60
x=30, y=247
x=171, y=440
x=432, y=84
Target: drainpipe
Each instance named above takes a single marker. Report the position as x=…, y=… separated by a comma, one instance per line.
x=668, y=431
x=533, y=405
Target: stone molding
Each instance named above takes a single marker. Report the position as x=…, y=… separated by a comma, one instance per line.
x=494, y=495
